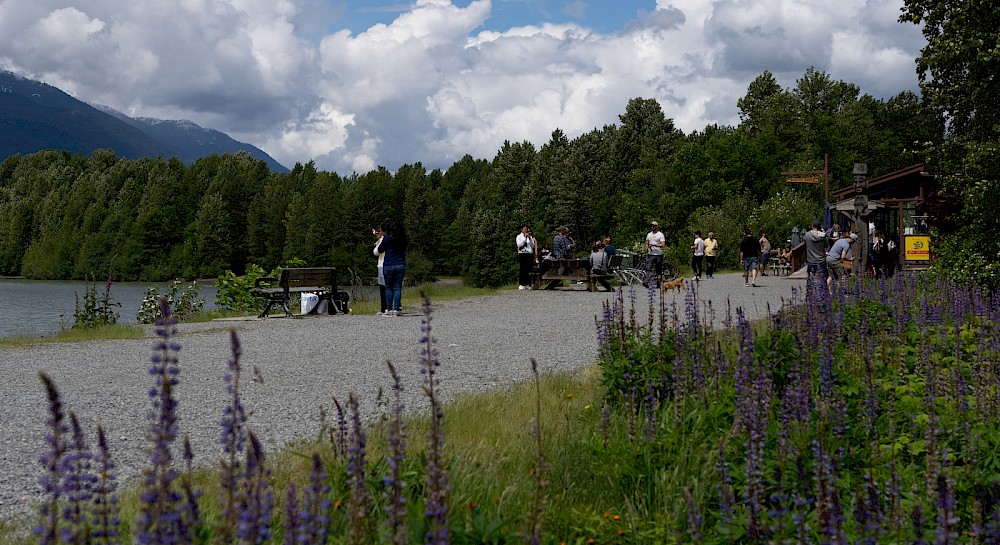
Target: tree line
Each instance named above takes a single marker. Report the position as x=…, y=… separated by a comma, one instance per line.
x=66, y=216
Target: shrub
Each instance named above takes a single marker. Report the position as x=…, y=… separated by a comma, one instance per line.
x=97, y=310
x=186, y=305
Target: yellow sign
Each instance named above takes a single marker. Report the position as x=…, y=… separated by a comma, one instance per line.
x=809, y=180
x=917, y=248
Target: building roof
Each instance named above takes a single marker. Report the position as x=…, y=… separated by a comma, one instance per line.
x=907, y=183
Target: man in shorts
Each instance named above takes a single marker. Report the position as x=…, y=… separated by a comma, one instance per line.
x=749, y=256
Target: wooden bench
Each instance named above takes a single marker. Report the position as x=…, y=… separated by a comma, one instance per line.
x=319, y=280
x=572, y=270
x=780, y=269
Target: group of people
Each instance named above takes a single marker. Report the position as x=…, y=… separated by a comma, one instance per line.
x=530, y=255
x=390, y=248
x=836, y=262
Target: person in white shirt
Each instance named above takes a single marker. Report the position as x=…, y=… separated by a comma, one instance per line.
x=377, y=231
x=527, y=256
x=699, y=254
x=655, y=242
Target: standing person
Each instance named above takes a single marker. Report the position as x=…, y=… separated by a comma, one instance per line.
x=527, y=256
x=377, y=231
x=815, y=240
x=765, y=252
x=655, y=242
x=699, y=254
x=599, y=260
x=749, y=256
x=394, y=265
x=840, y=253
x=608, y=248
x=711, y=245
x=891, y=255
x=876, y=255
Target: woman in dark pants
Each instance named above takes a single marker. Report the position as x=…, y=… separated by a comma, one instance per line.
x=394, y=265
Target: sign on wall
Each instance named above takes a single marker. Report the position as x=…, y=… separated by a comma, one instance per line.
x=916, y=248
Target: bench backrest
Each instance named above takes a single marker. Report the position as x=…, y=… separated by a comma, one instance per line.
x=308, y=277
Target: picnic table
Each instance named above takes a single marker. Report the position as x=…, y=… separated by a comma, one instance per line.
x=569, y=270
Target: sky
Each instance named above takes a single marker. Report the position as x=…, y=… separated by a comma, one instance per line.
x=357, y=84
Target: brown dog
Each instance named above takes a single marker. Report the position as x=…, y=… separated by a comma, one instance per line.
x=675, y=284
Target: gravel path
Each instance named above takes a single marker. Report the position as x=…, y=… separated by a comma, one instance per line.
x=484, y=343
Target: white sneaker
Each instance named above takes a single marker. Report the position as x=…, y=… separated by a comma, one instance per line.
x=520, y=287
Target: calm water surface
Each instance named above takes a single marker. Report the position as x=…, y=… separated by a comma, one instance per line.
x=36, y=307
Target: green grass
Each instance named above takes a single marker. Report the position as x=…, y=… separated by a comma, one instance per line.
x=102, y=333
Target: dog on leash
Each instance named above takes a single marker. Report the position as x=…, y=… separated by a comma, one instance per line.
x=675, y=284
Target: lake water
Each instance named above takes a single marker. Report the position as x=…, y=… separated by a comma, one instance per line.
x=35, y=307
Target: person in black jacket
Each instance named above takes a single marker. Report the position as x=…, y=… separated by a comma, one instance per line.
x=750, y=257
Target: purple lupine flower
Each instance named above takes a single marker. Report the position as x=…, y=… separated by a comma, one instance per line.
x=694, y=530
x=651, y=409
x=357, y=505
x=233, y=436
x=605, y=426
x=828, y=509
x=395, y=486
x=946, y=532
x=437, y=489
x=917, y=524
x=54, y=462
x=104, y=512
x=340, y=439
x=869, y=511
x=291, y=526
x=255, y=502
x=314, y=521
x=727, y=497
x=191, y=518
x=159, y=520
x=538, y=500
x=78, y=484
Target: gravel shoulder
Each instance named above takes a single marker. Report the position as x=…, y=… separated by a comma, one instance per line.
x=484, y=343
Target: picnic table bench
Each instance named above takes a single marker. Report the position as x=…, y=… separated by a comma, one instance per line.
x=571, y=270
x=319, y=280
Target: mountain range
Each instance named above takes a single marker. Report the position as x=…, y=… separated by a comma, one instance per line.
x=35, y=116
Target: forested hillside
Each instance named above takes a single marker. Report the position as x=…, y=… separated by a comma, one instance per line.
x=68, y=216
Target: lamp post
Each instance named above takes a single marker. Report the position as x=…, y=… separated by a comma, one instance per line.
x=860, y=211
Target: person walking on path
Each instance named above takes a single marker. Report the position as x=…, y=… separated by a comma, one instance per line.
x=655, y=242
x=377, y=231
x=765, y=253
x=394, y=265
x=815, y=240
x=527, y=256
x=711, y=245
x=699, y=255
x=749, y=256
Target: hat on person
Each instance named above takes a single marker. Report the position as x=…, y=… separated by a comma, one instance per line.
x=653, y=223
x=854, y=236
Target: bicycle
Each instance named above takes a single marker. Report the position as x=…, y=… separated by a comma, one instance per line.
x=635, y=269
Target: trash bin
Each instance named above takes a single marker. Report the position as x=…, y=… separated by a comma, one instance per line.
x=307, y=302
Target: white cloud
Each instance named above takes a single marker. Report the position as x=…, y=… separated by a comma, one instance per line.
x=432, y=84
